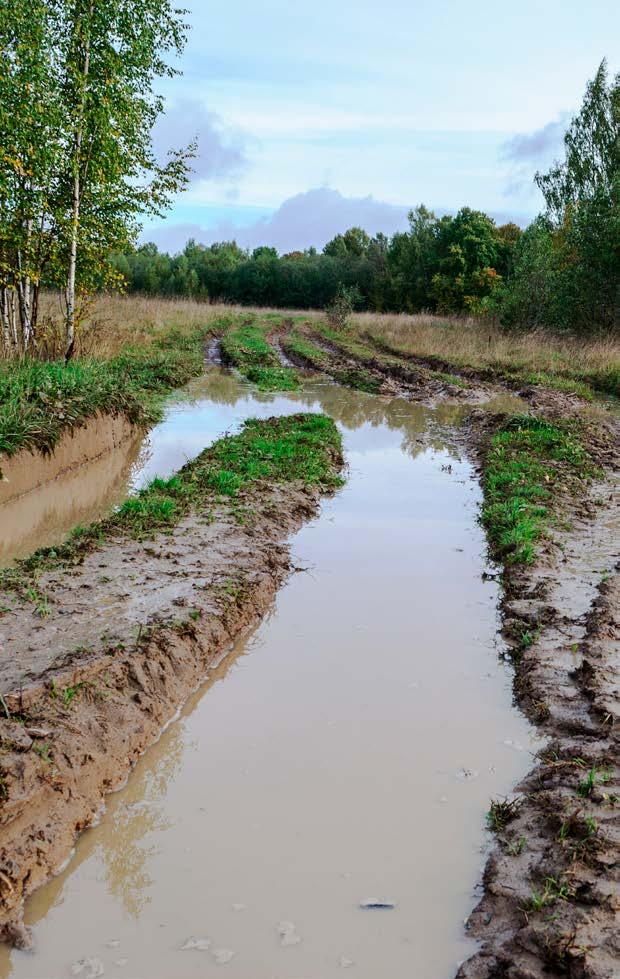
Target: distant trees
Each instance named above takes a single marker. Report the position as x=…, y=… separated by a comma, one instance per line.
x=77, y=171
x=449, y=264
x=78, y=174
x=562, y=272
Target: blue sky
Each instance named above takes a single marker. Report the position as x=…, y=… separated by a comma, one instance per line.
x=313, y=116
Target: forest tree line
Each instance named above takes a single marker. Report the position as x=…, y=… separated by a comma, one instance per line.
x=79, y=175
x=560, y=273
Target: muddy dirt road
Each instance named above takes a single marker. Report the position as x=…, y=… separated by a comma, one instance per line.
x=344, y=752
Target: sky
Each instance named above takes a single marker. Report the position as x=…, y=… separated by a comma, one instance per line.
x=311, y=118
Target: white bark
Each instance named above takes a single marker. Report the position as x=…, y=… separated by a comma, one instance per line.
x=6, y=320
x=76, y=201
x=13, y=319
x=24, y=295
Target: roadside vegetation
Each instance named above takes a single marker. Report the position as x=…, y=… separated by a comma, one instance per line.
x=480, y=349
x=79, y=168
x=39, y=401
x=530, y=460
x=245, y=347
x=132, y=351
x=559, y=274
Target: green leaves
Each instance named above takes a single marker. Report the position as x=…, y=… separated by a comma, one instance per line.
x=77, y=107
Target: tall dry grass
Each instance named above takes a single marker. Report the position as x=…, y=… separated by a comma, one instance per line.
x=110, y=322
x=468, y=342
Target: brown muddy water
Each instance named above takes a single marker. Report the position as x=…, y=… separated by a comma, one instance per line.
x=345, y=752
x=43, y=516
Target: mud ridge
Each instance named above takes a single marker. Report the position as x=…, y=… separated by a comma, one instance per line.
x=488, y=378
x=129, y=634
x=416, y=382
x=550, y=898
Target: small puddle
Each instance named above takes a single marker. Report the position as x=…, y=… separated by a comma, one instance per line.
x=344, y=753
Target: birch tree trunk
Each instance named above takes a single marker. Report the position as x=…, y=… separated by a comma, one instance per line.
x=13, y=321
x=76, y=200
x=24, y=294
x=6, y=320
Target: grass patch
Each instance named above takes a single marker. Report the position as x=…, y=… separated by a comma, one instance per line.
x=593, y=779
x=273, y=378
x=246, y=348
x=303, y=447
x=357, y=378
x=299, y=346
x=528, y=458
x=573, y=364
x=347, y=342
x=557, y=383
x=452, y=379
x=501, y=812
x=40, y=401
x=553, y=890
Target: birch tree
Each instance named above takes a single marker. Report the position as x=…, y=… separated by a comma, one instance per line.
x=77, y=169
x=116, y=49
x=30, y=154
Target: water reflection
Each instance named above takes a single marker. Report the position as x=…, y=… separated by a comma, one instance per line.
x=120, y=840
x=328, y=767
x=209, y=406
x=44, y=516
x=193, y=424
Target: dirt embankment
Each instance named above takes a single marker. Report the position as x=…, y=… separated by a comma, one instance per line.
x=26, y=471
x=109, y=656
x=550, y=901
x=44, y=497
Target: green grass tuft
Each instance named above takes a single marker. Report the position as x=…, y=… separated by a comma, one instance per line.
x=298, y=346
x=273, y=378
x=246, y=348
x=528, y=456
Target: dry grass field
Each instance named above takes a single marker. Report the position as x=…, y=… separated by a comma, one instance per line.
x=110, y=322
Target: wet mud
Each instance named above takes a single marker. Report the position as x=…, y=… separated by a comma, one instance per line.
x=298, y=792
x=548, y=902
x=42, y=497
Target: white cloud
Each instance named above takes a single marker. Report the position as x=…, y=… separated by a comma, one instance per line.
x=309, y=218
x=221, y=150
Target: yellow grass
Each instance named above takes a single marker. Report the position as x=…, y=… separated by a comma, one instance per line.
x=111, y=321
x=467, y=342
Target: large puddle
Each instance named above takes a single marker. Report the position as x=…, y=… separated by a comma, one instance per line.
x=344, y=752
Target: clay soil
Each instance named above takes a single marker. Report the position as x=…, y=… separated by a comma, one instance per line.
x=155, y=615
